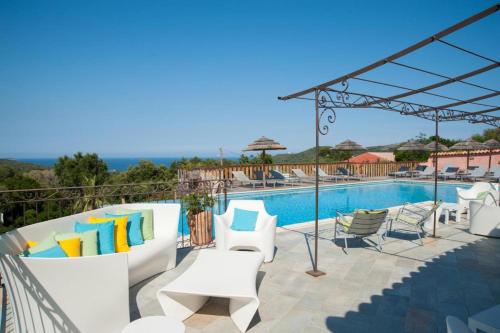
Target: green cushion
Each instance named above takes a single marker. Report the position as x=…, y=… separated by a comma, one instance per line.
x=88, y=241
x=147, y=221
x=482, y=195
x=43, y=245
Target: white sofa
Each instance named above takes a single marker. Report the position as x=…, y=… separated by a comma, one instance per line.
x=465, y=196
x=262, y=239
x=83, y=294
x=484, y=219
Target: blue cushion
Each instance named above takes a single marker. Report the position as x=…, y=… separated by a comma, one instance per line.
x=105, y=235
x=134, y=229
x=53, y=252
x=244, y=220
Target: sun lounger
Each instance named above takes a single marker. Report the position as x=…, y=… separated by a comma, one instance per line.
x=427, y=173
x=478, y=172
x=244, y=180
x=346, y=174
x=326, y=177
x=302, y=176
x=450, y=172
x=403, y=171
x=494, y=174
x=280, y=177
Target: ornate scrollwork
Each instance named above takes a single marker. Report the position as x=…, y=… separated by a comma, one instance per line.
x=325, y=104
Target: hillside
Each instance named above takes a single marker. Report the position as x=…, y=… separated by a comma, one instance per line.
x=326, y=154
x=19, y=166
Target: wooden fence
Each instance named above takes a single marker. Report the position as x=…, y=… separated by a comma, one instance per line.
x=379, y=169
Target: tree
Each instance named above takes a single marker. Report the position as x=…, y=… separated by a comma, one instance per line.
x=419, y=156
x=147, y=171
x=490, y=133
x=244, y=159
x=81, y=170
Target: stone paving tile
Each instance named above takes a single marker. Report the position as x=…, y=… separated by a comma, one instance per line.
x=407, y=288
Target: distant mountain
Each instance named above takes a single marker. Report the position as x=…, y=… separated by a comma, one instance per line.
x=391, y=147
x=19, y=166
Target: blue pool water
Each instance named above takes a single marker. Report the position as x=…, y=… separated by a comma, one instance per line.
x=297, y=205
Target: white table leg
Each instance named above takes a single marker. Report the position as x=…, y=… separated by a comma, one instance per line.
x=179, y=305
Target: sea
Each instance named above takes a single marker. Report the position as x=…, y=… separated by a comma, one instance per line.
x=114, y=163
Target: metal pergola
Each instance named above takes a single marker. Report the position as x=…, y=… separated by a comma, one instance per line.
x=336, y=94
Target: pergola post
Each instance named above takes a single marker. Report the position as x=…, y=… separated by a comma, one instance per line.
x=315, y=272
x=436, y=144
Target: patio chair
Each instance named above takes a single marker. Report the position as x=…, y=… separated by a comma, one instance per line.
x=484, y=219
x=346, y=174
x=416, y=216
x=261, y=239
x=362, y=223
x=427, y=172
x=326, y=177
x=280, y=177
x=474, y=174
x=450, y=172
x=244, y=180
x=403, y=171
x=259, y=175
x=477, y=193
x=302, y=176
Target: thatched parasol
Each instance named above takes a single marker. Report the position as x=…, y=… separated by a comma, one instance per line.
x=432, y=147
x=412, y=146
x=348, y=145
x=468, y=145
x=491, y=144
x=263, y=144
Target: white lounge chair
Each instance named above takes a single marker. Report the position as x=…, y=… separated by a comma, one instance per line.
x=347, y=175
x=451, y=172
x=262, y=239
x=326, y=177
x=478, y=172
x=484, y=219
x=362, y=223
x=476, y=193
x=226, y=274
x=244, y=180
x=302, y=175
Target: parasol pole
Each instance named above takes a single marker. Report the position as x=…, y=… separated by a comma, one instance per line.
x=436, y=143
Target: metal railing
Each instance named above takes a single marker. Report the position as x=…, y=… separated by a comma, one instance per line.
x=19, y=208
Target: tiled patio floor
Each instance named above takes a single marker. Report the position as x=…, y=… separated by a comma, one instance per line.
x=407, y=288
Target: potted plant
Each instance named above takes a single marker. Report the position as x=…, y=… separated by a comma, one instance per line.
x=199, y=215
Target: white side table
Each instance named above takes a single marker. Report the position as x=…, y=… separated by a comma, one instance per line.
x=155, y=324
x=487, y=321
x=448, y=208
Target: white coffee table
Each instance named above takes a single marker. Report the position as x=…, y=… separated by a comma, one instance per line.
x=486, y=321
x=228, y=274
x=449, y=207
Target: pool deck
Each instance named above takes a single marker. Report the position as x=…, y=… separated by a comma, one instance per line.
x=406, y=288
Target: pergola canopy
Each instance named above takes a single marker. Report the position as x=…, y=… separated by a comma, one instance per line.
x=337, y=94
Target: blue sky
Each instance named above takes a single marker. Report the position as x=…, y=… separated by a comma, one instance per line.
x=172, y=78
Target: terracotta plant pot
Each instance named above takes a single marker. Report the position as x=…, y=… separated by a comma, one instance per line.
x=200, y=228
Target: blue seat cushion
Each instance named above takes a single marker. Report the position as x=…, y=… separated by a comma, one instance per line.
x=134, y=228
x=244, y=220
x=105, y=235
x=53, y=252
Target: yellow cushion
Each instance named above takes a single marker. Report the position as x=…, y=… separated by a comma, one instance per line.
x=31, y=243
x=121, y=244
x=71, y=247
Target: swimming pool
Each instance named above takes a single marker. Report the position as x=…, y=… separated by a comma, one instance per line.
x=294, y=206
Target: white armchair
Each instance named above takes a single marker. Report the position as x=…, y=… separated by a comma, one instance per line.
x=262, y=239
x=465, y=196
x=484, y=219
